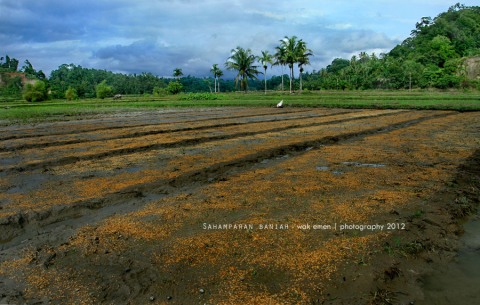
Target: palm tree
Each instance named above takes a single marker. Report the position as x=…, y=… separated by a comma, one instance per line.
x=280, y=60
x=219, y=74
x=288, y=46
x=177, y=72
x=265, y=59
x=242, y=61
x=303, y=59
x=216, y=74
x=292, y=51
x=214, y=70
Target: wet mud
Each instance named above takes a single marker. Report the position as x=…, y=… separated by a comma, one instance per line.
x=229, y=205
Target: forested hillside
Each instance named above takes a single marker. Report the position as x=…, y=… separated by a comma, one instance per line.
x=433, y=56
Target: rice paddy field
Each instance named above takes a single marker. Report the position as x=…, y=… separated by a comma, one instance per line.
x=21, y=111
x=139, y=203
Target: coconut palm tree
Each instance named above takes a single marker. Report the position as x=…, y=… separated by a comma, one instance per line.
x=177, y=72
x=280, y=60
x=216, y=73
x=242, y=61
x=303, y=58
x=292, y=51
x=265, y=59
x=289, y=47
x=219, y=74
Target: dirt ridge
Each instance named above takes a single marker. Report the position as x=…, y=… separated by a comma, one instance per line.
x=13, y=226
x=148, y=124
x=155, y=132
x=181, y=143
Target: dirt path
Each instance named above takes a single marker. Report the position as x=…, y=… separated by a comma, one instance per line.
x=262, y=206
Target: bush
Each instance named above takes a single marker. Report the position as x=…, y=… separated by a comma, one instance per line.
x=36, y=92
x=103, y=90
x=448, y=81
x=174, y=87
x=157, y=91
x=71, y=94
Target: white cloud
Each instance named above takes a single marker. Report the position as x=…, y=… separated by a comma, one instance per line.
x=339, y=26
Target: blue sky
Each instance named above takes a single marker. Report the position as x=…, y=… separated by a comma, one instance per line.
x=159, y=35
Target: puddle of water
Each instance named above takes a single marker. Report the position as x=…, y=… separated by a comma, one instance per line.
x=10, y=161
x=23, y=184
x=358, y=164
x=458, y=282
x=326, y=168
x=133, y=169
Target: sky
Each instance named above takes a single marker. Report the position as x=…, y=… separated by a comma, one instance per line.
x=158, y=36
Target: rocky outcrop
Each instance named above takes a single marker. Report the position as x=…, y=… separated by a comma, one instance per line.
x=24, y=78
x=472, y=67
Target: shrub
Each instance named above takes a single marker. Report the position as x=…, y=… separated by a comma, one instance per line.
x=157, y=91
x=36, y=92
x=71, y=94
x=174, y=87
x=103, y=90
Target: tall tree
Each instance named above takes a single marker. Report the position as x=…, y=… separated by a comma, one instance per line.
x=242, y=61
x=177, y=72
x=219, y=74
x=292, y=50
x=265, y=60
x=216, y=74
x=10, y=65
x=303, y=58
x=280, y=60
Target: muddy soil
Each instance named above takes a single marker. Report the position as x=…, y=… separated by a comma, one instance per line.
x=232, y=205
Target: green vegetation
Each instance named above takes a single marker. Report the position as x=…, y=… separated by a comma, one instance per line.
x=290, y=52
x=216, y=74
x=201, y=97
x=103, y=90
x=265, y=59
x=174, y=87
x=242, y=61
x=71, y=94
x=36, y=92
x=10, y=64
x=177, y=72
x=10, y=86
x=58, y=109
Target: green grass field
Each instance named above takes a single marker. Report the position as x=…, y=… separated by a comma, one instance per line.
x=21, y=111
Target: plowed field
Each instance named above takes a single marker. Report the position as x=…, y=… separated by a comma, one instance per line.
x=234, y=205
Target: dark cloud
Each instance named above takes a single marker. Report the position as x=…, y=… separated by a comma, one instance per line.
x=49, y=20
x=142, y=55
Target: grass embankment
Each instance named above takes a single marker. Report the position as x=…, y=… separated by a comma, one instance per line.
x=465, y=101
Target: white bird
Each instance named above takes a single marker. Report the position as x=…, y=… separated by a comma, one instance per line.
x=280, y=105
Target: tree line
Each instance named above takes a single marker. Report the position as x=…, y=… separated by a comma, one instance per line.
x=432, y=56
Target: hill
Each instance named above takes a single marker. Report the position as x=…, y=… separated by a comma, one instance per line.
x=452, y=34
x=443, y=52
